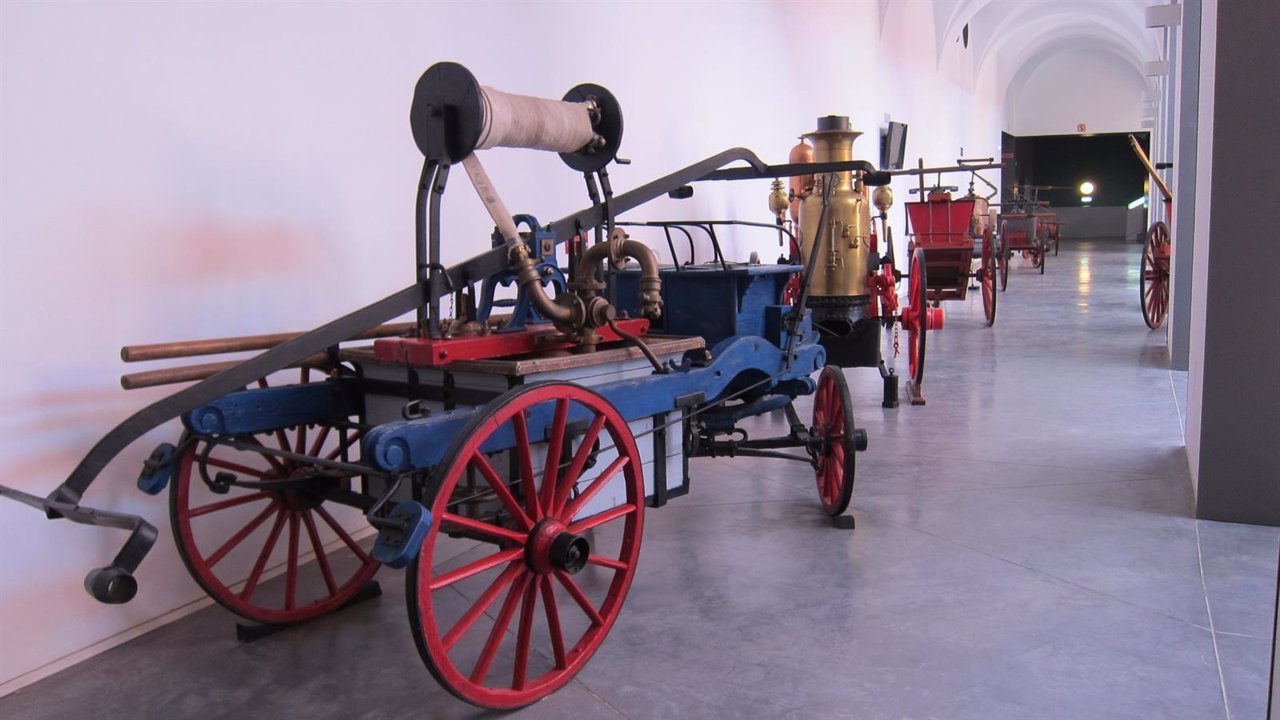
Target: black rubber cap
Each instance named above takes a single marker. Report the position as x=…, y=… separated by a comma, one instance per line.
x=111, y=585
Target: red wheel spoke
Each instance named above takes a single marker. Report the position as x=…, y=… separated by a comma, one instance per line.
x=474, y=568
x=239, y=537
x=333, y=524
x=236, y=467
x=607, y=562
x=256, y=574
x=346, y=443
x=528, y=484
x=496, y=532
x=580, y=597
x=224, y=504
x=481, y=604
x=319, y=441
x=275, y=464
x=321, y=559
x=500, y=489
x=300, y=442
x=596, y=486
x=836, y=428
x=282, y=440
x=553, y=622
x=555, y=443
x=579, y=461
x=499, y=629
x=291, y=571
x=523, y=635
x=820, y=405
x=604, y=517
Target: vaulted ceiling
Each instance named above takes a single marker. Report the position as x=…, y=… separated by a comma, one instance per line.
x=1012, y=38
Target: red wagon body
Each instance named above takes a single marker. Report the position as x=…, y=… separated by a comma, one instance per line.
x=947, y=231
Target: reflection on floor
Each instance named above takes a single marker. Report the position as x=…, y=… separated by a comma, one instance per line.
x=1024, y=549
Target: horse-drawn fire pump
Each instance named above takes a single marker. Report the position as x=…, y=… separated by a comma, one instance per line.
x=1157, y=251
x=506, y=461
x=949, y=230
x=1028, y=226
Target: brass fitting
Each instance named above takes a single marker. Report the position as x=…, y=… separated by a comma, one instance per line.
x=567, y=312
x=617, y=249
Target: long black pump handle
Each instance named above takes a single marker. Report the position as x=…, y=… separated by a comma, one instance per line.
x=343, y=328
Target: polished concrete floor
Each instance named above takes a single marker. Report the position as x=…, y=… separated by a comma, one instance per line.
x=1025, y=548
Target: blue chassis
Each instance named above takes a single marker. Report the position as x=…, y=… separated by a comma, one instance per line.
x=751, y=367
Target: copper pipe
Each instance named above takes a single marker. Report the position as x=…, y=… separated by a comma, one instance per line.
x=192, y=373
x=568, y=318
x=218, y=346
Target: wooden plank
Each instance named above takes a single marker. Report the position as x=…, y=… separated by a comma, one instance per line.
x=519, y=367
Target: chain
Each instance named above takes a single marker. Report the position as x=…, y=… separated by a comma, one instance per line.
x=895, y=341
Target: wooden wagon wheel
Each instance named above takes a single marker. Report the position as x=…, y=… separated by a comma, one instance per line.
x=559, y=546
x=833, y=425
x=1154, y=285
x=917, y=320
x=987, y=277
x=214, y=517
x=1005, y=256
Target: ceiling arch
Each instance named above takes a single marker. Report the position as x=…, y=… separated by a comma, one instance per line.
x=1011, y=37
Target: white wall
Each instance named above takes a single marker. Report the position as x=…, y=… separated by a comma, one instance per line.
x=947, y=111
x=174, y=171
x=1093, y=222
x=1084, y=84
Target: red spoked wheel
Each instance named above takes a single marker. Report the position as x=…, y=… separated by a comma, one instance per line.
x=242, y=514
x=531, y=549
x=918, y=312
x=1154, y=285
x=987, y=273
x=833, y=426
x=1006, y=256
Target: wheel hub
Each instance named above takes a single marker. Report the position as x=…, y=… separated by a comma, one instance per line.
x=309, y=490
x=552, y=547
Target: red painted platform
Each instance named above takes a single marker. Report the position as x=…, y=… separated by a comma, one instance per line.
x=428, y=352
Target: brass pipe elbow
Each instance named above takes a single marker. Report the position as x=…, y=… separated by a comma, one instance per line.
x=617, y=249
x=568, y=312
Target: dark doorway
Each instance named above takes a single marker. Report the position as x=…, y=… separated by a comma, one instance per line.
x=1055, y=166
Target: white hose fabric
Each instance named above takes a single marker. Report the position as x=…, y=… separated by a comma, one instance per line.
x=523, y=121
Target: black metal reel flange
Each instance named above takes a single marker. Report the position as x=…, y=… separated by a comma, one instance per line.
x=447, y=113
x=606, y=120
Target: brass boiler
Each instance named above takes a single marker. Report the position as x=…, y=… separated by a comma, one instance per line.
x=838, y=293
